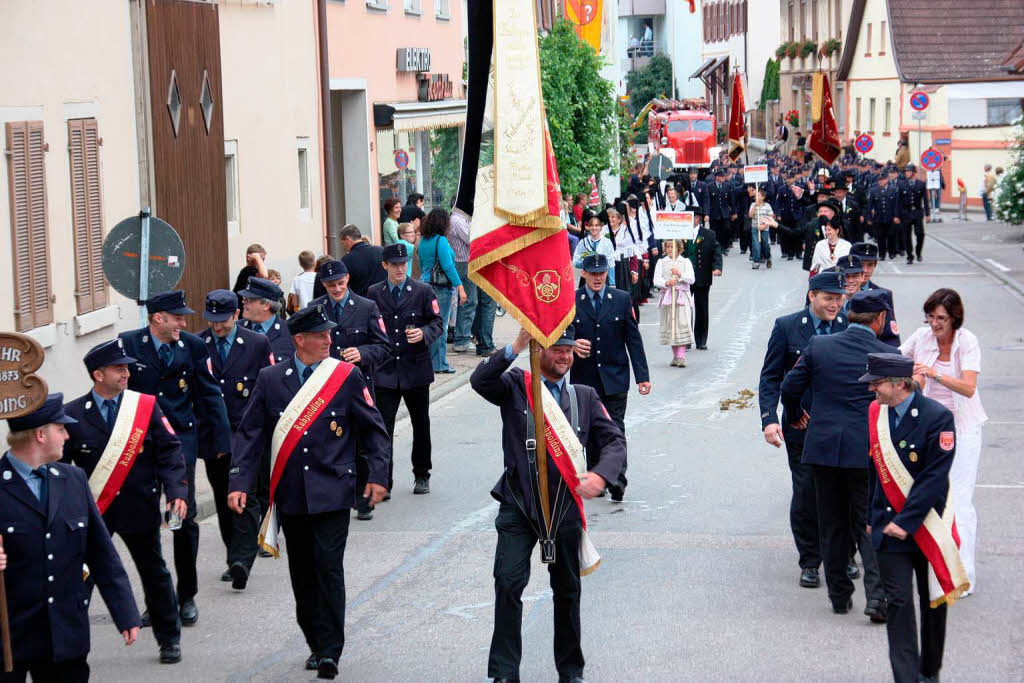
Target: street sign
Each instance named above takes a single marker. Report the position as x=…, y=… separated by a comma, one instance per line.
x=942, y=141
x=919, y=115
x=755, y=174
x=864, y=143
x=21, y=391
x=931, y=159
x=121, y=263
x=401, y=158
x=919, y=100
x=934, y=181
x=660, y=166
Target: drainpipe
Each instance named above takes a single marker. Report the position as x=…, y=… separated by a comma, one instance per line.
x=330, y=185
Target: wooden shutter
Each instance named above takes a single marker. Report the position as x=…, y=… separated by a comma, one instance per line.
x=86, y=214
x=26, y=172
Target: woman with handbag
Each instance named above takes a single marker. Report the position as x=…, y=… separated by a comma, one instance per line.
x=437, y=264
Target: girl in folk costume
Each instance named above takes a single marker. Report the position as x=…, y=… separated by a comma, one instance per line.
x=628, y=251
x=828, y=250
x=674, y=275
x=594, y=242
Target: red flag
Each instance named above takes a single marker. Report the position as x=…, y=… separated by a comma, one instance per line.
x=737, y=126
x=824, y=140
x=595, y=196
x=693, y=6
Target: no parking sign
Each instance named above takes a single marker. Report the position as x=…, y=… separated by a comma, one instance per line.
x=401, y=158
x=864, y=143
x=931, y=159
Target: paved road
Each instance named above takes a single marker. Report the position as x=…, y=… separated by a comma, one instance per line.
x=699, y=575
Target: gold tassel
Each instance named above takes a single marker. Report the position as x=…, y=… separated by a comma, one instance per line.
x=539, y=218
x=951, y=597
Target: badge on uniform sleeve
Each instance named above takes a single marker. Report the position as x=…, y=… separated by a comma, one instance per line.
x=946, y=441
x=894, y=327
x=366, y=395
x=167, y=424
x=434, y=305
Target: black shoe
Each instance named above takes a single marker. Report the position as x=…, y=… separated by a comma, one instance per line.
x=603, y=492
x=853, y=571
x=877, y=610
x=702, y=347
x=239, y=576
x=265, y=553
x=421, y=486
x=617, y=491
x=189, y=613
x=226, y=576
x=386, y=498
x=170, y=653
x=449, y=340
x=327, y=668
x=574, y=679
x=910, y=260
x=506, y=680
x=365, y=515
x=919, y=259
x=312, y=662
x=769, y=263
x=842, y=607
x=146, y=623
x=810, y=578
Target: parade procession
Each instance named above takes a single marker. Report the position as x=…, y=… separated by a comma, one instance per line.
x=585, y=341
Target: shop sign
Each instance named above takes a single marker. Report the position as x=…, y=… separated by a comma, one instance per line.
x=434, y=87
x=21, y=391
x=413, y=59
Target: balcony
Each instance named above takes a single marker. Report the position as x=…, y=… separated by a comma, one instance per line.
x=639, y=53
x=641, y=8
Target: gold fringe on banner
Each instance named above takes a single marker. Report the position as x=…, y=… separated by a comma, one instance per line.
x=817, y=89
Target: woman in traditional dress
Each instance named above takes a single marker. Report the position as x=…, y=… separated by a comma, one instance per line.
x=628, y=252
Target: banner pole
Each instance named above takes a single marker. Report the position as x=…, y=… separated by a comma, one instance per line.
x=5, y=627
x=536, y=387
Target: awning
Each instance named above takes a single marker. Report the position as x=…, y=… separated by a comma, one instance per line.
x=703, y=67
x=710, y=67
x=416, y=116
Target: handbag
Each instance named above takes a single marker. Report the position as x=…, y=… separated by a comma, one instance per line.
x=438, y=277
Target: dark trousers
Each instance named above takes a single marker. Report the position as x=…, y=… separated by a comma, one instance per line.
x=700, y=313
x=720, y=226
x=842, y=502
x=240, y=533
x=316, y=565
x=417, y=400
x=516, y=539
x=157, y=585
x=186, y=543
x=887, y=237
x=913, y=228
x=69, y=671
x=616, y=406
x=898, y=571
x=803, y=511
x=738, y=226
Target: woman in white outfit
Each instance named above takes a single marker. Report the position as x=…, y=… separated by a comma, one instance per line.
x=828, y=250
x=947, y=361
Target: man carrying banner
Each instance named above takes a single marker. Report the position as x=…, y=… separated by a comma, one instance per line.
x=912, y=441
x=128, y=450
x=574, y=418
x=311, y=411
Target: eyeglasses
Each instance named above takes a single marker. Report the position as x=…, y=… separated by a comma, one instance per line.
x=930, y=318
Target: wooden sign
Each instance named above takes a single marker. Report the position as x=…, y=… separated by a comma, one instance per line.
x=21, y=391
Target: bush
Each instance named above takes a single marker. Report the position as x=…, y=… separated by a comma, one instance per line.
x=770, y=88
x=653, y=80
x=1009, y=193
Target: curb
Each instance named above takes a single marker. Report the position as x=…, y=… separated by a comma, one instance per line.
x=1002, y=277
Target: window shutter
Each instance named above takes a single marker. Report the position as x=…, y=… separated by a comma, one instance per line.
x=87, y=214
x=26, y=172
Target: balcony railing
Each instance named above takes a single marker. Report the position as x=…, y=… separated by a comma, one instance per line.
x=641, y=8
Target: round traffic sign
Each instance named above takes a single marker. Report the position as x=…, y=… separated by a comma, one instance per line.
x=121, y=256
x=919, y=100
x=401, y=158
x=931, y=159
x=864, y=143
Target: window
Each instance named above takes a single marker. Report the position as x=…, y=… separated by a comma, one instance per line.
x=857, y=110
x=789, y=22
x=303, y=159
x=814, y=20
x=867, y=52
x=871, y=115
x=86, y=214
x=1003, y=111
x=803, y=19
x=881, y=38
x=26, y=176
x=442, y=9
x=678, y=126
x=702, y=126
x=888, y=117
x=231, y=179
x=377, y=4
x=411, y=6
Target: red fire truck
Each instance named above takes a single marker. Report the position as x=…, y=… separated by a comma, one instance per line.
x=683, y=131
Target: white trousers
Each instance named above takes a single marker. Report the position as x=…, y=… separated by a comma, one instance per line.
x=962, y=477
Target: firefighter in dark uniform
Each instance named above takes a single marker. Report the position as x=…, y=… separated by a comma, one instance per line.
x=868, y=254
x=317, y=486
x=695, y=195
x=260, y=310
x=413, y=320
x=721, y=210
x=608, y=340
x=788, y=341
x=814, y=225
x=853, y=220
x=236, y=355
x=171, y=365
x=705, y=253
x=518, y=521
x=135, y=512
x=359, y=336
x=922, y=432
x=913, y=210
x=50, y=527
x=883, y=216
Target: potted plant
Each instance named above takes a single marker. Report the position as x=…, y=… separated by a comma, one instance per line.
x=793, y=118
x=792, y=50
x=780, y=51
x=831, y=47
x=807, y=48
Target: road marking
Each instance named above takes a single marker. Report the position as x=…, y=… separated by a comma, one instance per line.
x=998, y=265
x=999, y=486
x=919, y=273
x=1005, y=422
x=895, y=269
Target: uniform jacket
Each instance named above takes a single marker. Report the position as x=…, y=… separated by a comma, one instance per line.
x=812, y=235
x=136, y=508
x=720, y=202
x=55, y=542
x=186, y=391
x=612, y=336
x=918, y=433
x=883, y=204
x=914, y=201
x=362, y=327
x=853, y=228
x=597, y=432
x=831, y=367
x=278, y=336
x=364, y=267
x=321, y=473
x=237, y=376
x=891, y=332
x=706, y=256
x=407, y=365
x=700, y=195
x=787, y=343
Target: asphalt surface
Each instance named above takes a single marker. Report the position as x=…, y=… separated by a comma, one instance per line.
x=699, y=574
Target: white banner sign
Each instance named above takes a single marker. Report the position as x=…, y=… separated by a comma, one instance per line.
x=673, y=225
x=755, y=174
x=934, y=180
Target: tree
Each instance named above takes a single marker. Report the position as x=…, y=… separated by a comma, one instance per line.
x=580, y=107
x=653, y=80
x=1009, y=193
x=444, y=165
x=770, y=88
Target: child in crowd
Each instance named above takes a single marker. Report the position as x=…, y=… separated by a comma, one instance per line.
x=302, y=286
x=275, y=277
x=674, y=274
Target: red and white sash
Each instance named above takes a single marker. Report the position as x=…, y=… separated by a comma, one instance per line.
x=937, y=537
x=566, y=452
x=303, y=410
x=124, y=445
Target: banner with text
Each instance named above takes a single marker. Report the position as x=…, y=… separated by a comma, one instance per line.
x=674, y=225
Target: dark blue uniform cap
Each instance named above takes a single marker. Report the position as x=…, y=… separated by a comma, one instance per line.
x=310, y=319
x=595, y=263
x=261, y=288
x=831, y=281
x=168, y=302
x=396, y=253
x=332, y=270
x=865, y=250
x=221, y=304
x=850, y=263
x=719, y=171
x=882, y=365
x=108, y=353
x=568, y=337
x=52, y=411
x=869, y=301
